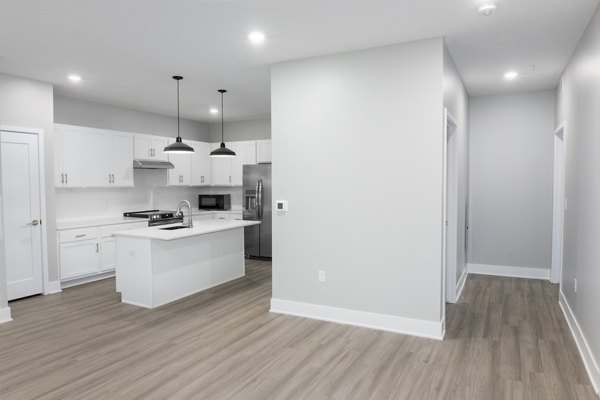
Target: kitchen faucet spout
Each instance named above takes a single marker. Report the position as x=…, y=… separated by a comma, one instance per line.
x=190, y=223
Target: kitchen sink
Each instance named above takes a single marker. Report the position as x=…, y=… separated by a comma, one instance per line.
x=172, y=228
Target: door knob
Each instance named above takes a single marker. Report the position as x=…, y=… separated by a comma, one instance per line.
x=34, y=222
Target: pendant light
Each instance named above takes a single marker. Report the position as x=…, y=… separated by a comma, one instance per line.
x=178, y=147
x=222, y=151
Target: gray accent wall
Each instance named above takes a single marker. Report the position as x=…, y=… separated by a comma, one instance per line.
x=357, y=153
x=72, y=111
x=456, y=101
x=241, y=130
x=512, y=151
x=29, y=103
x=578, y=108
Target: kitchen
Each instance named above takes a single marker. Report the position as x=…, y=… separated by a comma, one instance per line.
x=394, y=213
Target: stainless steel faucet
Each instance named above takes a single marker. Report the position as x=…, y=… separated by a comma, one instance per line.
x=190, y=223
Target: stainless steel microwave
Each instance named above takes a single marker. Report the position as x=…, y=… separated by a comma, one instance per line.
x=219, y=202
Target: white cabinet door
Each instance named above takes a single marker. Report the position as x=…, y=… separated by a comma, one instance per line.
x=79, y=258
x=122, y=160
x=143, y=147
x=97, y=146
x=158, y=145
x=68, y=156
x=221, y=169
x=200, y=164
x=181, y=174
x=263, y=151
x=109, y=254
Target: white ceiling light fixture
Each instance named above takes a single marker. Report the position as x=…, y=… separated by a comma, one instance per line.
x=74, y=78
x=213, y=111
x=256, y=37
x=487, y=9
x=511, y=75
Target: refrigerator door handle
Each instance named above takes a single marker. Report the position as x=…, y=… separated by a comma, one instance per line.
x=260, y=199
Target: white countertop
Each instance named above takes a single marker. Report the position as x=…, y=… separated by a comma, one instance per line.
x=116, y=220
x=203, y=227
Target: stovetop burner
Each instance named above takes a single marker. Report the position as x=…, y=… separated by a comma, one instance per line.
x=156, y=217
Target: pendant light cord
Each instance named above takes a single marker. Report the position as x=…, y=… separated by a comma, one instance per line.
x=178, y=108
x=222, y=119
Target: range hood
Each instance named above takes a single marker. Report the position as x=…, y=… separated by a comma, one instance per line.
x=152, y=164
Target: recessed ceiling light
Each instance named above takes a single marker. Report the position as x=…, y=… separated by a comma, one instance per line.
x=488, y=9
x=256, y=37
x=213, y=111
x=74, y=78
x=511, y=75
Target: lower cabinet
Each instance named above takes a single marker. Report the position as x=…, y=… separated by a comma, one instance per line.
x=87, y=252
x=109, y=254
x=79, y=258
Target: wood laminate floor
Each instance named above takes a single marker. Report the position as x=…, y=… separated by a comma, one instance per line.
x=507, y=339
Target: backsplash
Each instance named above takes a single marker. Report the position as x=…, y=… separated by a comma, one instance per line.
x=150, y=192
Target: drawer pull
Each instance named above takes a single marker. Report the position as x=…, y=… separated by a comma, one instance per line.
x=81, y=235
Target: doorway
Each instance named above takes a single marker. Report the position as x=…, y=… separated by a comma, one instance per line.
x=22, y=212
x=449, y=211
x=558, y=213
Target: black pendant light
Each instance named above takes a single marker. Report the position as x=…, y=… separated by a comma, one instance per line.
x=178, y=147
x=222, y=151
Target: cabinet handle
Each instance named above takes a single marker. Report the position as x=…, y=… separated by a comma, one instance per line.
x=113, y=178
x=62, y=178
x=149, y=152
x=81, y=235
x=108, y=178
x=66, y=178
x=97, y=248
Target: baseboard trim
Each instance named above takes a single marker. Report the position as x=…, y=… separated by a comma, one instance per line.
x=52, y=287
x=591, y=365
x=510, y=271
x=87, y=279
x=383, y=322
x=5, y=315
x=460, y=286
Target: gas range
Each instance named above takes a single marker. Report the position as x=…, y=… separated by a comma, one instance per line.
x=156, y=217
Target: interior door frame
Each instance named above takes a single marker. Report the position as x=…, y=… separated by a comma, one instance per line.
x=558, y=203
x=46, y=286
x=448, y=121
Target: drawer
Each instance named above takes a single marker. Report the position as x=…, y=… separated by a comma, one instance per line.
x=237, y=216
x=107, y=230
x=74, y=235
x=221, y=216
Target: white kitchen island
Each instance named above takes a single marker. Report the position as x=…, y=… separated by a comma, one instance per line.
x=157, y=266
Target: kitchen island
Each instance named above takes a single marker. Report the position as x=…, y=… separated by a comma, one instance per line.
x=156, y=266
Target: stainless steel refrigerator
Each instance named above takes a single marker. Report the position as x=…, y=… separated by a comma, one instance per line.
x=257, y=207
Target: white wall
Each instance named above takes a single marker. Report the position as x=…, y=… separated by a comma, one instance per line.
x=456, y=100
x=511, y=179
x=241, y=130
x=29, y=103
x=357, y=152
x=73, y=111
x=578, y=107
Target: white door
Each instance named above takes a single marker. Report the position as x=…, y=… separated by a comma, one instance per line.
x=143, y=147
x=263, y=151
x=97, y=159
x=122, y=159
x=21, y=210
x=220, y=168
x=200, y=164
x=158, y=145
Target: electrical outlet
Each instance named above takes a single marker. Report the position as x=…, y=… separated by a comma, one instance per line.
x=575, y=284
x=322, y=277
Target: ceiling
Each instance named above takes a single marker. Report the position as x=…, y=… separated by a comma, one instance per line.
x=127, y=51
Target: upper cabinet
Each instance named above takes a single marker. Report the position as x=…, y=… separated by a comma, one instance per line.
x=87, y=157
x=149, y=147
x=68, y=158
x=263, y=151
x=200, y=163
x=108, y=159
x=228, y=171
